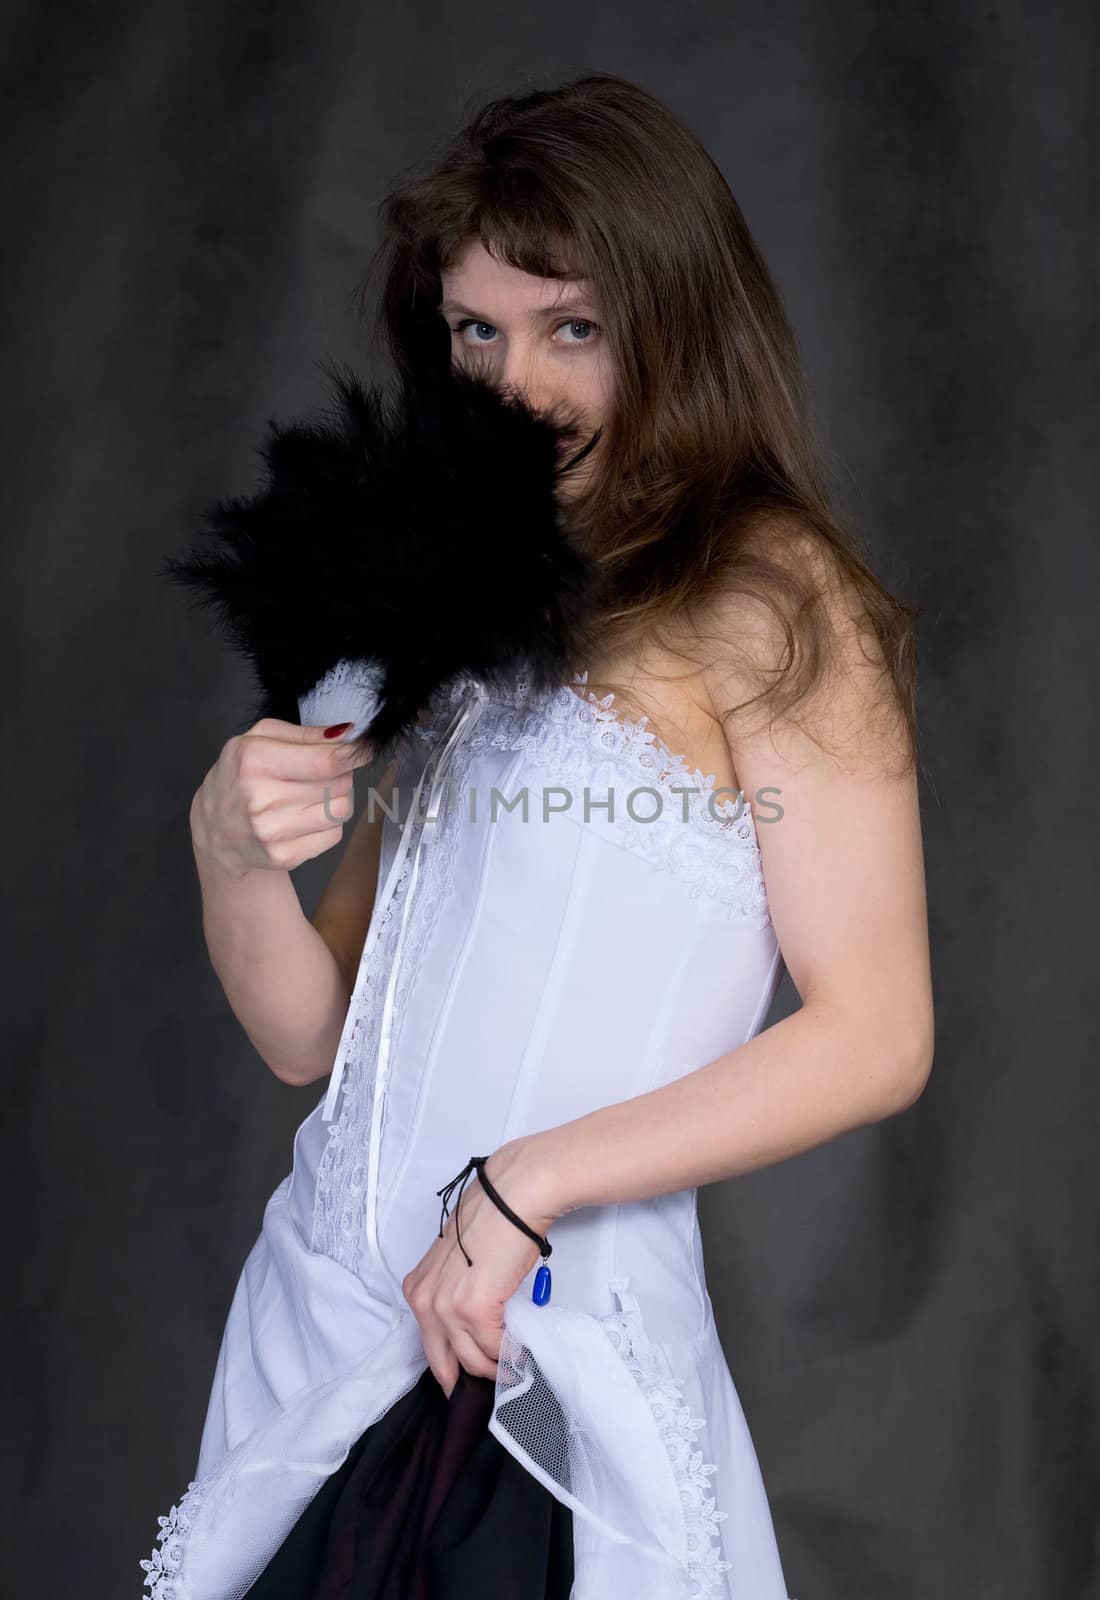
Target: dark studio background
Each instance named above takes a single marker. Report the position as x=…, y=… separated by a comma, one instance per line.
x=189, y=195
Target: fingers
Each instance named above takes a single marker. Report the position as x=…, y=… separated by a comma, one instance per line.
x=448, y=1353
x=438, y=1349
x=468, y=1349
x=273, y=749
x=283, y=806
x=278, y=795
x=450, y=1342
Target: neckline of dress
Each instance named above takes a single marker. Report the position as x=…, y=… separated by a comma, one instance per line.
x=677, y=765
x=635, y=733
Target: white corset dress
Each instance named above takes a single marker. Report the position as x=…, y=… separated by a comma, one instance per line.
x=534, y=953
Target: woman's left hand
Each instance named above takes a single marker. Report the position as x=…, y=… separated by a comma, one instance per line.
x=460, y=1308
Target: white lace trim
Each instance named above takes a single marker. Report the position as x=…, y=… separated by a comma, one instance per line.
x=164, y=1576
x=709, y=843
x=340, y=1197
x=677, y=1428
x=350, y=691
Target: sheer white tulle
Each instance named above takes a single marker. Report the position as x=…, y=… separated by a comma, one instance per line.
x=217, y=1540
x=591, y=1408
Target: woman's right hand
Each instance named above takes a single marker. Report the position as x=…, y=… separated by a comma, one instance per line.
x=278, y=794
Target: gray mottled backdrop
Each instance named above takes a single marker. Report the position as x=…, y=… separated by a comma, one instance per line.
x=189, y=195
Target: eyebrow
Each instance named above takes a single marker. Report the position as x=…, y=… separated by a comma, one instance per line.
x=562, y=307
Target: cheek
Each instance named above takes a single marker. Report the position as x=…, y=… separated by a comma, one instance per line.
x=601, y=391
x=592, y=394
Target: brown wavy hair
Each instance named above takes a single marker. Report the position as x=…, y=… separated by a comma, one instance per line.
x=711, y=483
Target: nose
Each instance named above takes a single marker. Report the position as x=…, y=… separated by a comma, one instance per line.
x=516, y=369
x=519, y=371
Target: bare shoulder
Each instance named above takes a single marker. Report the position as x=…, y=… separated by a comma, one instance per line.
x=806, y=627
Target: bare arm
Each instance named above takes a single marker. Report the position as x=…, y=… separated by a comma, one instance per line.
x=845, y=880
x=288, y=978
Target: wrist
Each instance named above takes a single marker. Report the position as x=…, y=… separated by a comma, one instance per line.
x=212, y=859
x=216, y=864
x=528, y=1173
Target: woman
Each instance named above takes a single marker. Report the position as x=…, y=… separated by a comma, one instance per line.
x=580, y=994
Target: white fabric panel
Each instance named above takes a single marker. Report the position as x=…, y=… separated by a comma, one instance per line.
x=535, y=970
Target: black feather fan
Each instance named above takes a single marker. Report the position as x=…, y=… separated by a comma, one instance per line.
x=418, y=535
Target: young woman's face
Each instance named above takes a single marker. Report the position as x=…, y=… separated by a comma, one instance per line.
x=539, y=336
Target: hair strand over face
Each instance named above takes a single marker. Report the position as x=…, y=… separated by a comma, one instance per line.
x=710, y=479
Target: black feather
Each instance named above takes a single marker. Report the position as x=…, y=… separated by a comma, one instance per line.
x=420, y=532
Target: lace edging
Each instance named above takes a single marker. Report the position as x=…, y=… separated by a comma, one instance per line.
x=678, y=1428
x=341, y=1170
x=164, y=1568
x=351, y=689
x=710, y=844
x=338, y=1211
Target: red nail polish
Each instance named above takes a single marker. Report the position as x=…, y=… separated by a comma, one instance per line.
x=336, y=730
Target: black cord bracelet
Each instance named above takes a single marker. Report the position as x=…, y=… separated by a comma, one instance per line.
x=541, y=1292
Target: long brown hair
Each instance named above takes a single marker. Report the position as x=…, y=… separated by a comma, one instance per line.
x=710, y=482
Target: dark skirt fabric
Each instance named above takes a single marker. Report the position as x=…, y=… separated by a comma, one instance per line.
x=429, y=1505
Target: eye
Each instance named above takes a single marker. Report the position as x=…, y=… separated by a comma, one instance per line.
x=580, y=322
x=569, y=322
x=471, y=322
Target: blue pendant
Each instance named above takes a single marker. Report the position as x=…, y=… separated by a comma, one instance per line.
x=540, y=1294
